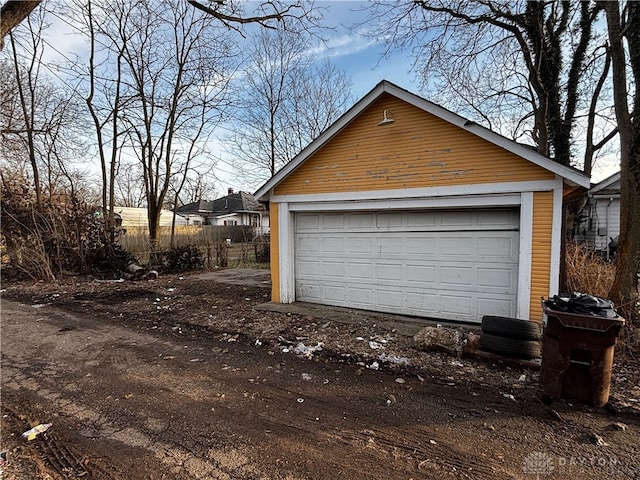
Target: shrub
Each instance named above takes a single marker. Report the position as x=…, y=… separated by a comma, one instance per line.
x=183, y=259
x=586, y=271
x=58, y=235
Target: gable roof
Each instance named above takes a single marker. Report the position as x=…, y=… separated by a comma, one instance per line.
x=201, y=206
x=608, y=185
x=572, y=175
x=232, y=203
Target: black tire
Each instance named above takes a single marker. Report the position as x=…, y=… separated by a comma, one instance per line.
x=510, y=347
x=512, y=327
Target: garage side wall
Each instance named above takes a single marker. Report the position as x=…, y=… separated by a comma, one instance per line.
x=541, y=251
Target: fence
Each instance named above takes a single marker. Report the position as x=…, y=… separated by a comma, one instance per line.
x=221, y=245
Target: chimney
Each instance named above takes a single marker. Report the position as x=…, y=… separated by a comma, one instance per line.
x=230, y=191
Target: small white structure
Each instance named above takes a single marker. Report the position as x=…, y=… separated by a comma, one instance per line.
x=600, y=218
x=137, y=217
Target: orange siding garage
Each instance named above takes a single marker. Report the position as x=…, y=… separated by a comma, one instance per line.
x=402, y=206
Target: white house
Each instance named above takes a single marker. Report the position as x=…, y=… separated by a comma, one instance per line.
x=239, y=208
x=600, y=218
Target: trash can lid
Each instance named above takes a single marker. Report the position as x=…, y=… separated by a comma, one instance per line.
x=581, y=321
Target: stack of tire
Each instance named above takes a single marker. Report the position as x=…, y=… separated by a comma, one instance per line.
x=511, y=337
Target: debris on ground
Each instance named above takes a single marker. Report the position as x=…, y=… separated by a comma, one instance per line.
x=32, y=433
x=440, y=339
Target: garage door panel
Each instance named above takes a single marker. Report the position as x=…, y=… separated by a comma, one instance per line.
x=410, y=262
x=306, y=222
x=361, y=296
x=310, y=292
x=421, y=274
x=389, y=272
x=495, y=306
x=332, y=245
x=457, y=276
x=498, y=218
x=390, y=298
x=389, y=221
x=498, y=247
x=387, y=246
x=421, y=219
x=420, y=246
x=496, y=278
x=421, y=302
x=361, y=221
x=333, y=269
x=334, y=294
x=359, y=245
x=456, y=305
x=309, y=268
x=307, y=245
x=359, y=271
x=456, y=246
x=333, y=222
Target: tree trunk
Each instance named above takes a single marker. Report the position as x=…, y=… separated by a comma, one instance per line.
x=624, y=291
x=13, y=12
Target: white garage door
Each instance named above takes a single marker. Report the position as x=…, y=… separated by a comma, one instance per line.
x=456, y=265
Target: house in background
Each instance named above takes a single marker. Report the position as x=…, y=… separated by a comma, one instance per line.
x=402, y=206
x=599, y=221
x=239, y=208
x=137, y=217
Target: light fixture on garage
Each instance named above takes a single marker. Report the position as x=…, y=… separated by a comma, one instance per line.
x=386, y=120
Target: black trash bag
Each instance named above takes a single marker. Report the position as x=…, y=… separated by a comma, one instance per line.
x=583, y=304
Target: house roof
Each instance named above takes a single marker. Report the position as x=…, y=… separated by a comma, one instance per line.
x=573, y=176
x=608, y=185
x=232, y=203
x=201, y=206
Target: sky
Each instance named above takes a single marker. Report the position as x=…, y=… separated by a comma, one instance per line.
x=346, y=46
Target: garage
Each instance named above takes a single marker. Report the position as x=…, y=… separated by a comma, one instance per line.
x=402, y=206
x=456, y=265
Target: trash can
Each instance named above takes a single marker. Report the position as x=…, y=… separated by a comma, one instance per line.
x=577, y=354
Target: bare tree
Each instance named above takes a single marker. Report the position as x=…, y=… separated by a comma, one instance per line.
x=526, y=69
x=163, y=77
x=624, y=24
x=39, y=123
x=295, y=16
x=547, y=70
x=284, y=103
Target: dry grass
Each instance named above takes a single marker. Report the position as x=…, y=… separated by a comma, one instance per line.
x=587, y=272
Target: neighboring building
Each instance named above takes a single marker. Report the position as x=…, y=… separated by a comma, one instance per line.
x=234, y=209
x=402, y=206
x=599, y=221
x=137, y=217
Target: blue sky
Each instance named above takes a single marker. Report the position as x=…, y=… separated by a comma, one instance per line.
x=346, y=46
x=362, y=57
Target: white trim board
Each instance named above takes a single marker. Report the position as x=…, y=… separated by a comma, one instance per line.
x=425, y=192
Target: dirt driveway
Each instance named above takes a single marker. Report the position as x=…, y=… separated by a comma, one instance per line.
x=182, y=378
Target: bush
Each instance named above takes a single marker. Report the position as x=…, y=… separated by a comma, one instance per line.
x=586, y=271
x=56, y=236
x=183, y=259
x=262, y=249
